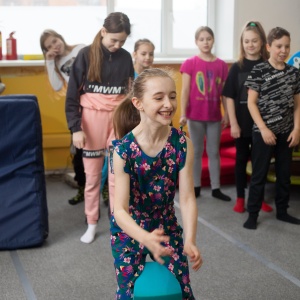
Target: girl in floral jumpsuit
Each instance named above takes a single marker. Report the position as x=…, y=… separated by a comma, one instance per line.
x=147, y=162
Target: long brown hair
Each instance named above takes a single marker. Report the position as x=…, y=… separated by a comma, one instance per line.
x=115, y=22
x=258, y=29
x=50, y=32
x=126, y=117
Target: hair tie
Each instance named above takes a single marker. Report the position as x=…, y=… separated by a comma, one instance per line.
x=252, y=24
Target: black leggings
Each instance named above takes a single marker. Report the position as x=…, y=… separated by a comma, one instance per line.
x=243, y=154
x=78, y=168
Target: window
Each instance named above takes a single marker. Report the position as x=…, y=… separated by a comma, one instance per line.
x=76, y=22
x=187, y=16
x=169, y=24
x=145, y=19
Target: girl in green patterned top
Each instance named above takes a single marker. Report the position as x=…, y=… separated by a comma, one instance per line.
x=148, y=162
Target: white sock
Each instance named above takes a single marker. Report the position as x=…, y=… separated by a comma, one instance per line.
x=89, y=235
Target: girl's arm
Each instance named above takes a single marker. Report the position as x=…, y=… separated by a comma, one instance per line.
x=55, y=80
x=235, y=129
x=75, y=87
x=185, y=93
x=188, y=208
x=294, y=137
x=151, y=240
x=72, y=105
x=267, y=135
x=225, y=119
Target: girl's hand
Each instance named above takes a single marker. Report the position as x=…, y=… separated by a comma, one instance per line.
x=78, y=139
x=235, y=131
x=191, y=250
x=268, y=136
x=182, y=121
x=293, y=138
x=153, y=243
x=225, y=121
x=51, y=54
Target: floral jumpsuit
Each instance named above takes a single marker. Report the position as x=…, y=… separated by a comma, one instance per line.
x=152, y=189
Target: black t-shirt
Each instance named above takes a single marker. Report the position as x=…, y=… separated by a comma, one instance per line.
x=234, y=88
x=276, y=89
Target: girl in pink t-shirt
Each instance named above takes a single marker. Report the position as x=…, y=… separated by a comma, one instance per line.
x=203, y=77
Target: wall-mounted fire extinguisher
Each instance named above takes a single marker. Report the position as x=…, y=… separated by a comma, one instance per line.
x=11, y=47
x=0, y=45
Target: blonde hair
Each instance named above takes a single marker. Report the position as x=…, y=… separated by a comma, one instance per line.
x=50, y=32
x=139, y=84
x=204, y=28
x=140, y=42
x=258, y=29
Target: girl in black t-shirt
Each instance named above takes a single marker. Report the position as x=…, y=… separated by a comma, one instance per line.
x=252, y=51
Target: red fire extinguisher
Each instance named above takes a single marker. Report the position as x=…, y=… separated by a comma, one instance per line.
x=0, y=45
x=11, y=47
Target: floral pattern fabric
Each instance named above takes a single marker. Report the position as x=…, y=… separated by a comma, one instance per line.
x=153, y=183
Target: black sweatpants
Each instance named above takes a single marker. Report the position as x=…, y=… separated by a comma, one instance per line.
x=261, y=155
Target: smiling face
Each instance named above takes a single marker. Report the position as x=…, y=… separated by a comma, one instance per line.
x=252, y=44
x=205, y=42
x=144, y=56
x=279, y=50
x=113, y=41
x=159, y=101
x=55, y=44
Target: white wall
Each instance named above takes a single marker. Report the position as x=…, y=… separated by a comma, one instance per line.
x=224, y=28
x=271, y=13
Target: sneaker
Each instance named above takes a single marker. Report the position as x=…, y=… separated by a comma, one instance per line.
x=285, y=217
x=216, y=193
x=105, y=194
x=78, y=198
x=251, y=222
x=197, y=190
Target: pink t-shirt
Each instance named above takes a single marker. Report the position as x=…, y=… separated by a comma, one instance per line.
x=207, y=79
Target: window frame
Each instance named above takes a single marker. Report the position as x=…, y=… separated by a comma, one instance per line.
x=167, y=49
